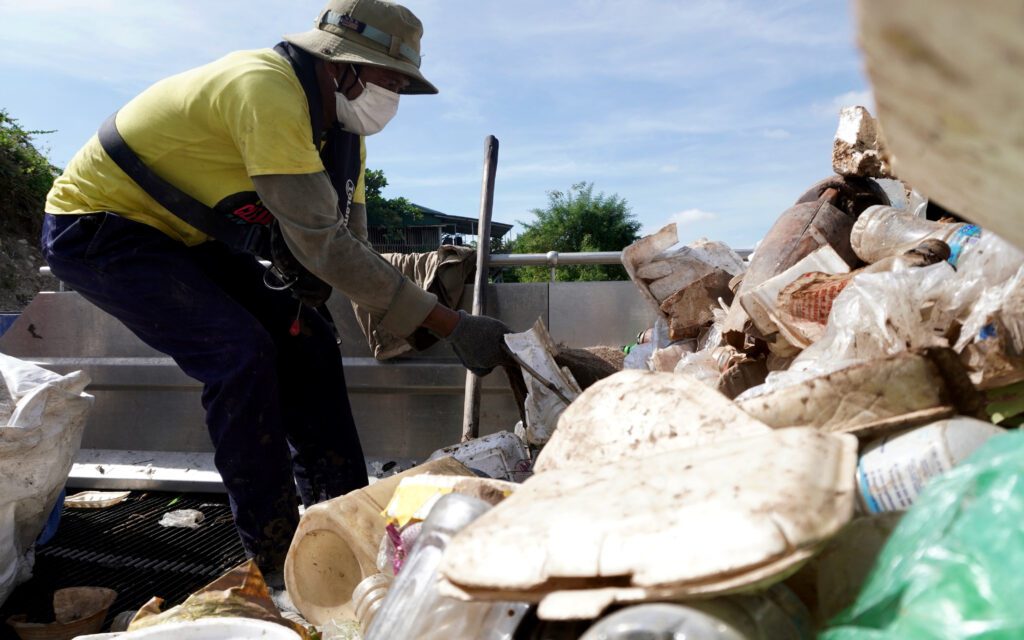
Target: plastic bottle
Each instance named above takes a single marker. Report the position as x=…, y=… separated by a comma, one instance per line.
x=369, y=597
x=413, y=608
x=894, y=470
x=883, y=231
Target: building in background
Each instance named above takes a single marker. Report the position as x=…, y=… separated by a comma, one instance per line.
x=428, y=230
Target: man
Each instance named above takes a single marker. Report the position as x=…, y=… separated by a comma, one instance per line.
x=267, y=136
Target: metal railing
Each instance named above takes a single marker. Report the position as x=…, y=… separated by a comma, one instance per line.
x=551, y=259
x=554, y=259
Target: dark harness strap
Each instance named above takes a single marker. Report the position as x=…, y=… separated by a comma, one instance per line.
x=251, y=238
x=305, y=70
x=339, y=149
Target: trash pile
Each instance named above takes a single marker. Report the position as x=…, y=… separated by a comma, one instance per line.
x=868, y=362
x=747, y=474
x=818, y=440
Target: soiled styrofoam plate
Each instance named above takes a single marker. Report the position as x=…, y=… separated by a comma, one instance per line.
x=635, y=414
x=95, y=499
x=727, y=516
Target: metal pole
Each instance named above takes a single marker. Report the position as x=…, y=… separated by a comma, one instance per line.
x=471, y=406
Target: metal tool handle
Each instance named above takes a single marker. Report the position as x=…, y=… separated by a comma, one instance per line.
x=471, y=406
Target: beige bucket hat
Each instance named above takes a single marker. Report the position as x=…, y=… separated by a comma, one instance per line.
x=369, y=32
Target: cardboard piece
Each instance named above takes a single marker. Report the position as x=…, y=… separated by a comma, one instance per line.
x=536, y=350
x=761, y=303
x=642, y=252
x=683, y=284
x=690, y=309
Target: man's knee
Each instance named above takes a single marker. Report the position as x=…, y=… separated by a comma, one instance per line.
x=251, y=352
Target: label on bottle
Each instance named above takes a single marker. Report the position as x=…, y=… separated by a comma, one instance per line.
x=891, y=475
x=964, y=237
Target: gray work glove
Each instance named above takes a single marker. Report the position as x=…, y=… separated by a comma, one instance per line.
x=479, y=342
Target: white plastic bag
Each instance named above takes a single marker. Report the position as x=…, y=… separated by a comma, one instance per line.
x=182, y=518
x=876, y=315
x=37, y=444
x=886, y=313
x=990, y=262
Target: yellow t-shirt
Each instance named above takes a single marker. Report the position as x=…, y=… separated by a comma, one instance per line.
x=205, y=131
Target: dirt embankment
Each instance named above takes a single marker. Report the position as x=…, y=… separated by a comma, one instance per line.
x=20, y=281
x=25, y=177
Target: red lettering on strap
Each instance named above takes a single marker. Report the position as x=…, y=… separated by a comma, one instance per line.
x=254, y=214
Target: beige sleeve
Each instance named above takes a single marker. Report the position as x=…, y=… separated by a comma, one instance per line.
x=357, y=221
x=306, y=206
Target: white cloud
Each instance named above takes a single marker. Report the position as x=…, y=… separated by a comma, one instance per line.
x=849, y=99
x=692, y=216
x=729, y=102
x=127, y=45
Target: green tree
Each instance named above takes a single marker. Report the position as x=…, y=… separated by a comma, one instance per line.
x=390, y=213
x=25, y=178
x=577, y=220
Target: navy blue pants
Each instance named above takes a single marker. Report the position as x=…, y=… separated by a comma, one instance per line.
x=276, y=405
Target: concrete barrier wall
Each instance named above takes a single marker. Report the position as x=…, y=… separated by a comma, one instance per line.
x=404, y=408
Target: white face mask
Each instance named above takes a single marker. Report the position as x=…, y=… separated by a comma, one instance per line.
x=370, y=112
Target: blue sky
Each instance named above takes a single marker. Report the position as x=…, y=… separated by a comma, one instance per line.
x=713, y=113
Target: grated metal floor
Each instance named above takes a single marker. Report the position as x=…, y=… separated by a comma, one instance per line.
x=123, y=548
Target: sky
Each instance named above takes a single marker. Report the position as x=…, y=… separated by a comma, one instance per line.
x=714, y=114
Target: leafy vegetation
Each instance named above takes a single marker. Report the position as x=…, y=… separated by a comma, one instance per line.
x=573, y=220
x=25, y=178
x=390, y=213
x=576, y=220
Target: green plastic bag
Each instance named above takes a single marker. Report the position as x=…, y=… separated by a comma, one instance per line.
x=954, y=567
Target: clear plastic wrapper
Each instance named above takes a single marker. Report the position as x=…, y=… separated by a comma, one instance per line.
x=886, y=313
x=992, y=336
x=991, y=262
x=876, y=315
x=702, y=365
